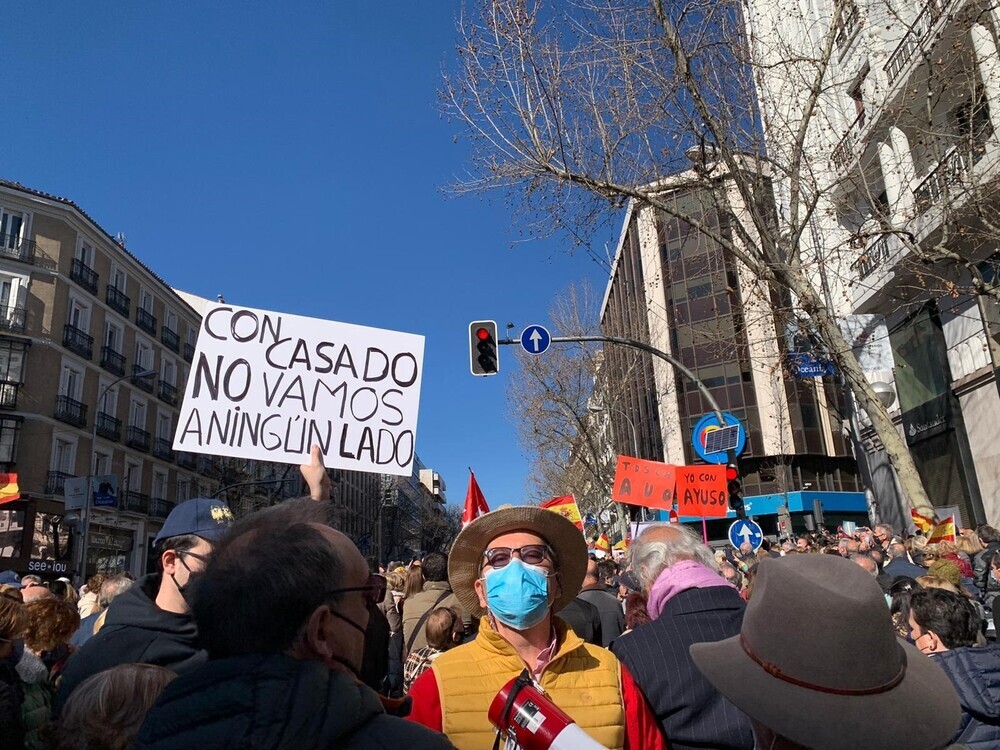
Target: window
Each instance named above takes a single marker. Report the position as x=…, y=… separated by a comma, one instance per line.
x=85, y=252
x=63, y=455
x=12, y=361
x=183, y=488
x=146, y=300
x=159, y=484
x=137, y=414
x=109, y=401
x=9, y=430
x=170, y=320
x=119, y=279
x=13, y=226
x=102, y=463
x=79, y=314
x=114, y=336
x=164, y=426
x=133, y=475
x=71, y=382
x=143, y=354
x=168, y=370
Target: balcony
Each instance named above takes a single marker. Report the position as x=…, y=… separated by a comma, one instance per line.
x=135, y=502
x=168, y=393
x=78, y=341
x=847, y=150
x=206, y=465
x=188, y=352
x=112, y=361
x=118, y=301
x=13, y=247
x=186, y=460
x=108, y=427
x=872, y=258
x=145, y=382
x=70, y=411
x=12, y=318
x=55, y=482
x=8, y=394
x=160, y=508
x=162, y=448
x=914, y=39
x=137, y=438
x=952, y=169
x=145, y=320
x=170, y=339
x=83, y=275
x=848, y=26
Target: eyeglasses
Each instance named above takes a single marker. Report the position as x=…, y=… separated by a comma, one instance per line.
x=530, y=554
x=201, y=558
x=373, y=592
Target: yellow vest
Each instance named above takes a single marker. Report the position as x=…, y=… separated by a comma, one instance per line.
x=583, y=680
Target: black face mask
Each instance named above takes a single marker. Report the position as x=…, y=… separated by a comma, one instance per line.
x=187, y=586
x=354, y=669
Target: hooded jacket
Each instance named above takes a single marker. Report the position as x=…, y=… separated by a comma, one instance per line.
x=135, y=631
x=275, y=702
x=975, y=673
x=36, y=708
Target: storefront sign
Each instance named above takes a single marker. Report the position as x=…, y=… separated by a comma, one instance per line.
x=56, y=567
x=927, y=420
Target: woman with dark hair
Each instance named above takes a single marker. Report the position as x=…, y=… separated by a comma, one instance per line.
x=13, y=621
x=945, y=626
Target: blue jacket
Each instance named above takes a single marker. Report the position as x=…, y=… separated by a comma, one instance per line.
x=691, y=711
x=975, y=672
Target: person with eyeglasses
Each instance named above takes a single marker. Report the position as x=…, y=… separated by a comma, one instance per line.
x=282, y=609
x=151, y=623
x=515, y=568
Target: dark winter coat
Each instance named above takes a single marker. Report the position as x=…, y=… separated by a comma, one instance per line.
x=975, y=673
x=11, y=698
x=585, y=620
x=274, y=702
x=135, y=631
x=612, y=614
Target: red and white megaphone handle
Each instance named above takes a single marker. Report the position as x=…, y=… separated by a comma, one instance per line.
x=524, y=715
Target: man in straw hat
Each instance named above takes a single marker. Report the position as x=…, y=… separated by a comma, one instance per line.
x=515, y=567
x=794, y=666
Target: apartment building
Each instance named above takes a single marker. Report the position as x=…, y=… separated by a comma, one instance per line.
x=674, y=287
x=412, y=513
x=94, y=351
x=903, y=154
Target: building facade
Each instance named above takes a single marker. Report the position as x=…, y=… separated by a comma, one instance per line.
x=677, y=289
x=412, y=514
x=904, y=155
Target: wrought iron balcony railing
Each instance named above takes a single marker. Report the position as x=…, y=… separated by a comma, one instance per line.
x=160, y=508
x=13, y=247
x=84, y=275
x=12, y=318
x=137, y=438
x=135, y=502
x=71, y=411
x=168, y=393
x=145, y=382
x=108, y=427
x=117, y=300
x=8, y=393
x=188, y=352
x=145, y=320
x=914, y=39
x=163, y=448
x=55, y=482
x=170, y=339
x=112, y=361
x=78, y=341
x=872, y=258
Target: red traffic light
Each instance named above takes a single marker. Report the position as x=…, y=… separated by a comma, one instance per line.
x=732, y=473
x=482, y=334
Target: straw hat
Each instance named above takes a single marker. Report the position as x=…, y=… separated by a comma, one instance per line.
x=561, y=534
x=818, y=662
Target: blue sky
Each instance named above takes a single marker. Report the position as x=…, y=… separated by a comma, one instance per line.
x=290, y=156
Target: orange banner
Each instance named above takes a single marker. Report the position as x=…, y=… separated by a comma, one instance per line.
x=565, y=506
x=646, y=483
x=701, y=491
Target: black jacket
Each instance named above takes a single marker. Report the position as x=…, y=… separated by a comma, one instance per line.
x=691, y=711
x=585, y=620
x=262, y=702
x=11, y=698
x=975, y=673
x=612, y=614
x=135, y=631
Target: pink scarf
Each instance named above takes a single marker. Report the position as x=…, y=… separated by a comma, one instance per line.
x=681, y=576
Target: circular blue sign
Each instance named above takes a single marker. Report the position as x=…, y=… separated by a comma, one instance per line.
x=745, y=530
x=535, y=339
x=709, y=424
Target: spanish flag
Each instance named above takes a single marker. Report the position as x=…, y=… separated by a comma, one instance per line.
x=565, y=506
x=943, y=532
x=603, y=544
x=923, y=523
x=9, y=491
x=622, y=545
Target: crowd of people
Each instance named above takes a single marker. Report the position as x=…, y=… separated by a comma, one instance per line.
x=274, y=632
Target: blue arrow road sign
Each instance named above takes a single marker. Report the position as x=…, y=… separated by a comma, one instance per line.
x=744, y=530
x=535, y=339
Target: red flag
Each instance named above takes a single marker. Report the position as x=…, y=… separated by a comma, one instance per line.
x=922, y=522
x=9, y=491
x=475, y=503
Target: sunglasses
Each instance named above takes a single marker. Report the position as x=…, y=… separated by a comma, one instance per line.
x=372, y=593
x=530, y=554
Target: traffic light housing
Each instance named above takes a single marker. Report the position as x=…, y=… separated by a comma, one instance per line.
x=734, y=485
x=483, y=358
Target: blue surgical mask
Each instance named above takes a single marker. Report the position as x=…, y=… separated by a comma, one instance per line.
x=518, y=594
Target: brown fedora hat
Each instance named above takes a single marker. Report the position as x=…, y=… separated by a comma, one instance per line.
x=566, y=540
x=817, y=661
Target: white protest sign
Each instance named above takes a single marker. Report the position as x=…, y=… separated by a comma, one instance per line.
x=266, y=385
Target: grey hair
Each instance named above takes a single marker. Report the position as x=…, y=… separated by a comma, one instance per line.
x=650, y=558
x=111, y=588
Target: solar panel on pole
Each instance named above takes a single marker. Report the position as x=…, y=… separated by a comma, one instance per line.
x=723, y=439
